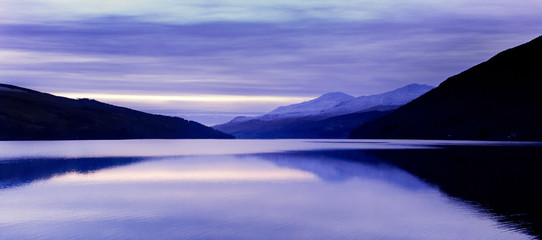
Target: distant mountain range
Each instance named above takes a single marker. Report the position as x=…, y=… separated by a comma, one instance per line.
x=496, y=100
x=332, y=115
x=499, y=99
x=30, y=115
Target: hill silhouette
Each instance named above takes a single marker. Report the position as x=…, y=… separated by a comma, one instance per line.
x=31, y=115
x=496, y=100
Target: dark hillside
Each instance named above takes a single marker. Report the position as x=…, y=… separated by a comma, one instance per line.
x=499, y=99
x=30, y=115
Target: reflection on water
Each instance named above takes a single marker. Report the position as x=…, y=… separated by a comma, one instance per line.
x=503, y=181
x=19, y=172
x=157, y=148
x=193, y=169
x=379, y=192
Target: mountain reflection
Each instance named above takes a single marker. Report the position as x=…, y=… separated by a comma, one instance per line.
x=341, y=166
x=501, y=180
x=15, y=173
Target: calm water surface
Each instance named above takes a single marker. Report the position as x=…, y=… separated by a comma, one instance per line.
x=262, y=189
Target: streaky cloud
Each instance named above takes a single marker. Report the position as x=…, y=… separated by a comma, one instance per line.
x=235, y=47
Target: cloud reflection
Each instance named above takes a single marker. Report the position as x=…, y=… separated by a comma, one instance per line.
x=112, y=176
x=209, y=197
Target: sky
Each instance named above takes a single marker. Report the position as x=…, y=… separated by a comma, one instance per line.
x=212, y=60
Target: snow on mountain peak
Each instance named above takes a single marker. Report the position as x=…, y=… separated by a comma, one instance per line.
x=311, y=107
x=339, y=96
x=338, y=103
x=395, y=97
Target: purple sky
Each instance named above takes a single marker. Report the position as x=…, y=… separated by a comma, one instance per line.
x=213, y=60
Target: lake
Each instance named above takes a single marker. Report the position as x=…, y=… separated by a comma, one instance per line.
x=270, y=189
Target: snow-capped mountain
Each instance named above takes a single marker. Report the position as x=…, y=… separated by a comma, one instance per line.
x=309, y=108
x=338, y=103
x=397, y=97
x=332, y=115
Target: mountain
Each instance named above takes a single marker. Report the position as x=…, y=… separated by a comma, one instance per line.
x=332, y=115
x=337, y=103
x=495, y=100
x=312, y=107
x=396, y=97
x=309, y=108
x=302, y=127
x=30, y=115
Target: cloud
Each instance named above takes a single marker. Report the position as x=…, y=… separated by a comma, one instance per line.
x=304, y=58
x=196, y=11
x=279, y=48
